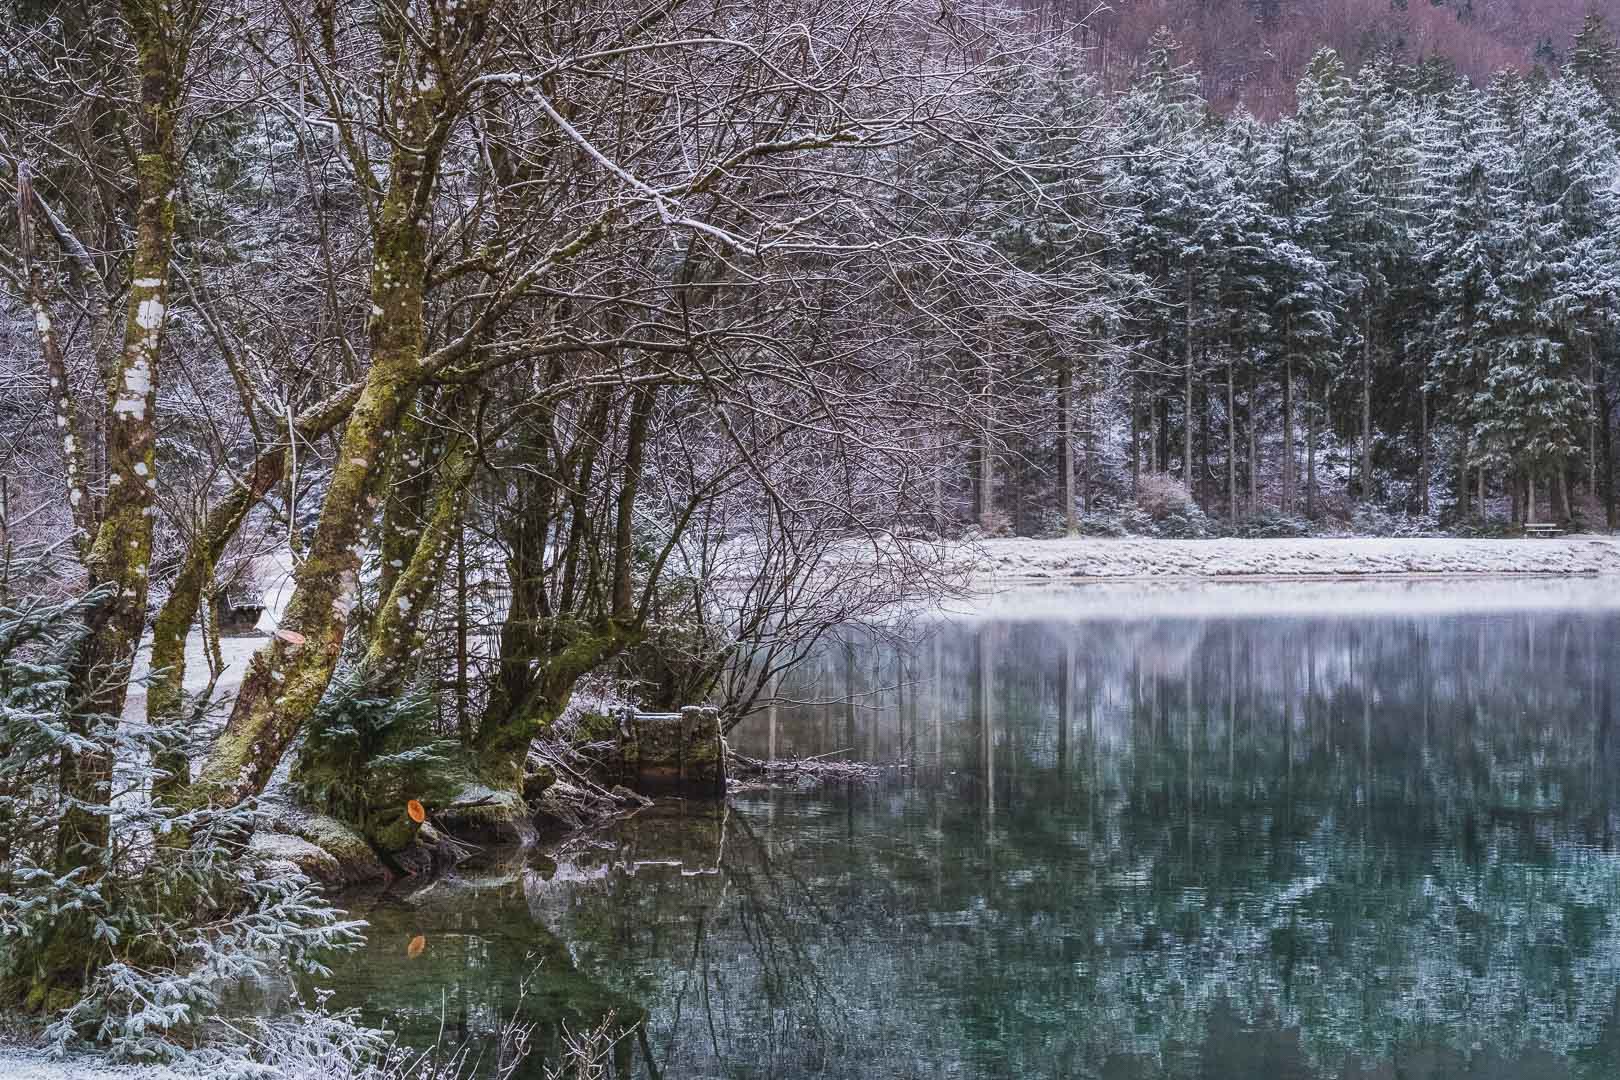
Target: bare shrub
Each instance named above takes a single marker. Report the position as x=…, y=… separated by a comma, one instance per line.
x=1160, y=495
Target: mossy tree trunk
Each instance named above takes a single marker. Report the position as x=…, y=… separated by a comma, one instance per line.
x=565, y=622
x=396, y=633
x=165, y=696
x=405, y=498
x=287, y=678
x=120, y=552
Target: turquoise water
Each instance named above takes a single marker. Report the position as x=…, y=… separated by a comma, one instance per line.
x=1125, y=843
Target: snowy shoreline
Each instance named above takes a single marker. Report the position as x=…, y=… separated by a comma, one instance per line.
x=21, y=1061
x=1103, y=560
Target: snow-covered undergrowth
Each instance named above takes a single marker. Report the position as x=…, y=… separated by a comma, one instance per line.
x=1096, y=559
x=124, y=919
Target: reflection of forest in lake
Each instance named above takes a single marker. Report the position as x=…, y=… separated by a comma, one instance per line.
x=1302, y=847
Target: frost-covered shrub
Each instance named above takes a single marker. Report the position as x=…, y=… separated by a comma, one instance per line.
x=1165, y=509
x=1269, y=524
x=1108, y=523
x=1158, y=495
x=311, y=1043
x=1487, y=529
x=1377, y=521
x=130, y=943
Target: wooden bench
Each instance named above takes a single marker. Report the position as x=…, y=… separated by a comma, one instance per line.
x=1543, y=529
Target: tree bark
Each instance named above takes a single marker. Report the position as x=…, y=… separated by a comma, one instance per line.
x=1464, y=511
x=938, y=490
x=1066, y=443
x=1231, y=442
x=395, y=636
x=410, y=471
x=1592, y=424
x=1366, y=403
x=1187, y=395
x=50, y=345
x=1423, y=452
x=1288, y=437
x=1606, y=431
x=1312, y=408
x=165, y=695
x=1091, y=450
x=1161, y=437
x=987, y=457
x=1288, y=420
x=1254, y=449
x=286, y=678
x=121, y=551
x=1136, y=434
x=642, y=400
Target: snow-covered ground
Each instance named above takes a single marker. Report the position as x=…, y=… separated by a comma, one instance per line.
x=235, y=651
x=19, y=1062
x=1195, y=598
x=1102, y=559
x=274, y=573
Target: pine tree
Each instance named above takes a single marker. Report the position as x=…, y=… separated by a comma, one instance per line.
x=1595, y=59
x=133, y=942
x=1309, y=191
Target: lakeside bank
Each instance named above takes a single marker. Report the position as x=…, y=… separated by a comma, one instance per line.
x=1131, y=559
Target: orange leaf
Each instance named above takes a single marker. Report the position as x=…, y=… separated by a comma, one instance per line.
x=417, y=812
x=414, y=949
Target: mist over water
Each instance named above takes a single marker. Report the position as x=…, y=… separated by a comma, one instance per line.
x=1363, y=842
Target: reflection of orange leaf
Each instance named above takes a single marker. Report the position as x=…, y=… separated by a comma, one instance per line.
x=291, y=637
x=414, y=949
x=416, y=810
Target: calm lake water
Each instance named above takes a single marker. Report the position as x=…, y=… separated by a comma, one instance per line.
x=1299, y=832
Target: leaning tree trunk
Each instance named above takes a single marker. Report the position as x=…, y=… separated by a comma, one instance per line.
x=396, y=633
x=68, y=424
x=286, y=678
x=165, y=696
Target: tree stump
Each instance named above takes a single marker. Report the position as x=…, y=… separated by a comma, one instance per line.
x=673, y=751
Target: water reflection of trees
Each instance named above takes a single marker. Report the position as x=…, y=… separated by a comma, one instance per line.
x=455, y=962
x=1392, y=836
x=1211, y=849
